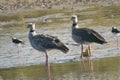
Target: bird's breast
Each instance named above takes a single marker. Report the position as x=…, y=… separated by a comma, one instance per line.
x=77, y=39
x=37, y=46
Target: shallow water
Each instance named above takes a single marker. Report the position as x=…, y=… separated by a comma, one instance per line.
x=10, y=57
x=100, y=69
x=28, y=64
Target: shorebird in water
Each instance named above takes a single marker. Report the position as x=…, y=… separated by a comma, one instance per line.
x=85, y=35
x=44, y=43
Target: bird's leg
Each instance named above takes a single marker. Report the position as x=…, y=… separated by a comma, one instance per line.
x=83, y=64
x=47, y=64
x=18, y=51
x=81, y=51
x=89, y=51
x=90, y=64
x=82, y=61
x=91, y=68
x=117, y=43
x=48, y=67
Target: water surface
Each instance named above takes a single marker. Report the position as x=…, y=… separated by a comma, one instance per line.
x=100, y=69
x=28, y=64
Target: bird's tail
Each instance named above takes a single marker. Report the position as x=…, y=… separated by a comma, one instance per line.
x=102, y=42
x=63, y=48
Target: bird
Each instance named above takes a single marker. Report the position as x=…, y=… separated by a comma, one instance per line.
x=85, y=36
x=116, y=32
x=45, y=42
x=17, y=42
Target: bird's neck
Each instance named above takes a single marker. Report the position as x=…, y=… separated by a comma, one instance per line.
x=32, y=33
x=32, y=30
x=75, y=25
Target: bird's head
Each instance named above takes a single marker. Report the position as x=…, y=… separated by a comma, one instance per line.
x=74, y=18
x=114, y=27
x=31, y=26
x=13, y=38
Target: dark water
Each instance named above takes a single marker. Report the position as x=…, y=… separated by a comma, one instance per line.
x=99, y=69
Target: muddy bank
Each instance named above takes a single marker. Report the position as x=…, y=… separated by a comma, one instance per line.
x=29, y=4
x=15, y=5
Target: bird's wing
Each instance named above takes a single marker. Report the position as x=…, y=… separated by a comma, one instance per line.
x=97, y=35
x=50, y=42
x=46, y=41
x=17, y=40
x=90, y=35
x=115, y=30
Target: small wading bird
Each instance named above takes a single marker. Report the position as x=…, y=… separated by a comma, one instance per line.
x=44, y=43
x=17, y=42
x=116, y=32
x=85, y=35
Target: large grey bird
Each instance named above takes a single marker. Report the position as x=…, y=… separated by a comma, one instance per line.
x=85, y=35
x=44, y=43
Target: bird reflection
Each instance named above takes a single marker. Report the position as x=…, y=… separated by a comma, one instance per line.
x=48, y=72
x=90, y=67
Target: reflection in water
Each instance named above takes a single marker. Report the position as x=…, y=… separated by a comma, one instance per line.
x=90, y=67
x=117, y=42
x=48, y=72
x=100, y=69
